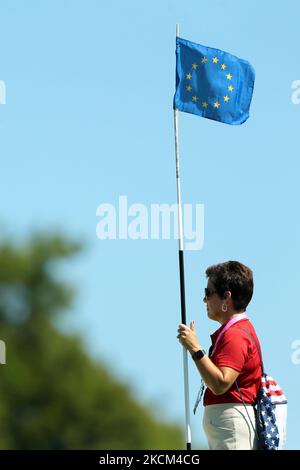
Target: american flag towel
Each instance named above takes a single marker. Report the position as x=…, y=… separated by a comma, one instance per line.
x=271, y=414
x=273, y=390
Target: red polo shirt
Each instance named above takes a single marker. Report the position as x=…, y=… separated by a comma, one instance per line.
x=238, y=350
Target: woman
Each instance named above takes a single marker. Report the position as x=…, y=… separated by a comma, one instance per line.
x=232, y=370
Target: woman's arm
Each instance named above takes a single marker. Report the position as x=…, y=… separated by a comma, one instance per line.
x=217, y=379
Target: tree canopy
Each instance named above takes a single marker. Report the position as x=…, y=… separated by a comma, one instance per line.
x=52, y=394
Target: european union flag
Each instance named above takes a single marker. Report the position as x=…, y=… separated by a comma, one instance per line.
x=212, y=83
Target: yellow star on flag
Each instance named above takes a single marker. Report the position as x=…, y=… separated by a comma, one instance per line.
x=229, y=77
x=204, y=104
x=226, y=98
x=203, y=60
x=194, y=66
x=215, y=60
x=189, y=88
x=189, y=76
x=216, y=104
x=230, y=87
x=223, y=66
x=195, y=99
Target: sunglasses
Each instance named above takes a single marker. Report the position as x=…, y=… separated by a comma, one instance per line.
x=208, y=292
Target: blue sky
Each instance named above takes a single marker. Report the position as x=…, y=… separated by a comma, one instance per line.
x=88, y=117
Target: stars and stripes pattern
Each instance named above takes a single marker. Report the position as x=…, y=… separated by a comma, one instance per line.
x=270, y=395
x=273, y=390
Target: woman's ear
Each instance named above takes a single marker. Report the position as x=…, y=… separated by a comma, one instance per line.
x=227, y=295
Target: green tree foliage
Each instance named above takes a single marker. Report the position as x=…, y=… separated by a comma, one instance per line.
x=52, y=394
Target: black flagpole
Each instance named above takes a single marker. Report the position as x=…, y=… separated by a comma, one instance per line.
x=182, y=285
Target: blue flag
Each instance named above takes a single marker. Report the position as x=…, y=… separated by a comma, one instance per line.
x=212, y=83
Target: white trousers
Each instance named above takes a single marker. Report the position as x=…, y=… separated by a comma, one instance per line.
x=227, y=427
x=281, y=421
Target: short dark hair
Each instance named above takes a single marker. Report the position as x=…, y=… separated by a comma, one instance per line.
x=234, y=277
